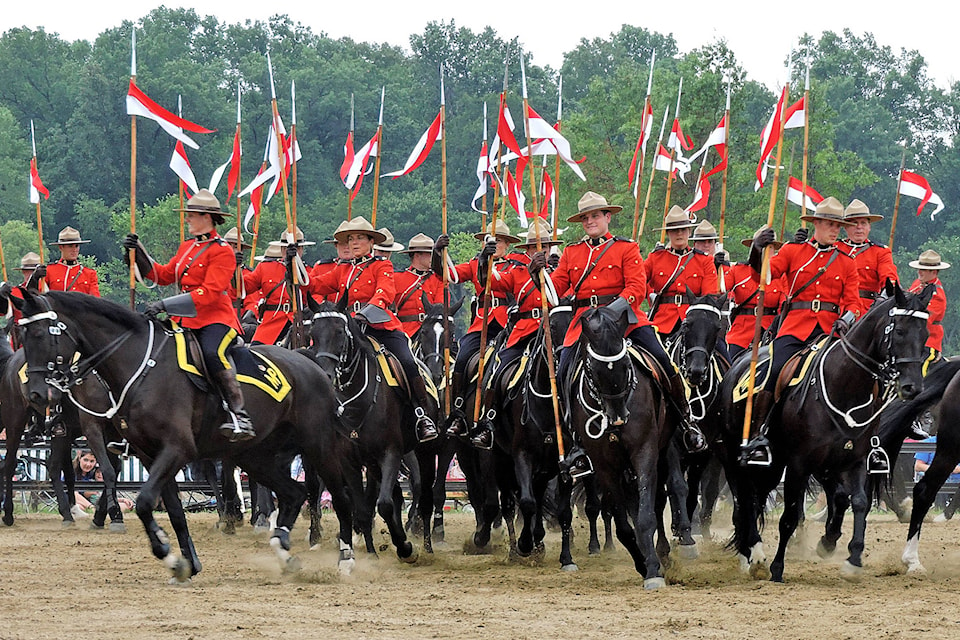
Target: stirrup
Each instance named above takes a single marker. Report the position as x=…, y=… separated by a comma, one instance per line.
x=693, y=440
x=577, y=464
x=426, y=430
x=756, y=452
x=236, y=430
x=878, y=462
x=121, y=448
x=483, y=435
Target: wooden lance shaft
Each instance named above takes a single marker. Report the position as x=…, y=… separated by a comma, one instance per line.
x=896, y=201
x=133, y=206
x=447, y=391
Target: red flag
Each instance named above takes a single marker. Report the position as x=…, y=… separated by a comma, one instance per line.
x=768, y=139
x=678, y=140
x=515, y=195
x=645, y=121
x=181, y=167
x=420, y=151
x=234, y=174
x=547, y=195
x=139, y=104
x=504, y=131
x=702, y=196
x=256, y=201
x=795, y=116
x=359, y=167
x=36, y=186
x=348, y=156
x=795, y=194
x=916, y=186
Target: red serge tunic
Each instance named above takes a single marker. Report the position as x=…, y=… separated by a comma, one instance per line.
x=202, y=267
x=517, y=282
x=363, y=280
x=874, y=265
x=743, y=288
x=320, y=268
x=72, y=277
x=838, y=284
x=410, y=283
x=268, y=283
x=467, y=272
x=618, y=272
x=696, y=271
x=937, y=309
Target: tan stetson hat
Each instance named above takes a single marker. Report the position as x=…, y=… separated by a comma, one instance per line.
x=930, y=259
x=29, y=261
x=748, y=242
x=274, y=250
x=591, y=201
x=358, y=225
x=419, y=243
x=231, y=237
x=828, y=209
x=389, y=243
x=677, y=218
x=69, y=235
x=858, y=209
x=502, y=232
x=205, y=202
x=538, y=228
x=705, y=231
x=334, y=240
x=298, y=234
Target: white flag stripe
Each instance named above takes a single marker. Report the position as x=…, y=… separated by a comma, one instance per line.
x=917, y=191
x=182, y=168
x=136, y=108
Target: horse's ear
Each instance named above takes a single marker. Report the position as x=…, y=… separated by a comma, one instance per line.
x=927, y=294
x=456, y=307
x=898, y=294
x=424, y=300
x=342, y=303
x=722, y=299
x=889, y=287
x=312, y=304
x=690, y=294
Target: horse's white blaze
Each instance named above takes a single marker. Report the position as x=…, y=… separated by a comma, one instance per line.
x=437, y=333
x=911, y=555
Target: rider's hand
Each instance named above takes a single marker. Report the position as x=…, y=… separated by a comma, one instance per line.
x=131, y=241
x=764, y=238
x=489, y=249
x=801, y=235
x=537, y=262
x=239, y=256
x=442, y=243
x=553, y=261
x=40, y=271
x=291, y=252
x=719, y=260
x=153, y=309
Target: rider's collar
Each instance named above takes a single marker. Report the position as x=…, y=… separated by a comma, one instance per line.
x=421, y=272
x=70, y=263
x=857, y=245
x=679, y=252
x=203, y=237
x=819, y=246
x=596, y=242
x=361, y=259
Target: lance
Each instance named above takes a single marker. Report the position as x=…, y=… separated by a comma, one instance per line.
x=643, y=152
x=293, y=152
x=726, y=149
x=544, y=306
x=3, y=262
x=764, y=269
x=806, y=141
x=133, y=173
x=179, y=181
x=653, y=171
x=786, y=192
x=33, y=143
x=673, y=151
x=483, y=202
x=447, y=392
x=349, y=195
x=896, y=202
x=556, y=169
x=496, y=183
x=239, y=271
x=258, y=197
x=376, y=172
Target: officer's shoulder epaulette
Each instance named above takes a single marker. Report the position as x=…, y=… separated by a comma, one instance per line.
x=879, y=245
x=324, y=261
x=515, y=262
x=622, y=239
x=220, y=241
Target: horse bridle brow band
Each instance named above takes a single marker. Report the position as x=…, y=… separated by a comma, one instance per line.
x=704, y=307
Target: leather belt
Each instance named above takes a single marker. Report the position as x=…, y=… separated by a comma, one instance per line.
x=873, y=295
x=815, y=305
x=285, y=307
x=676, y=299
x=532, y=314
x=752, y=311
x=418, y=317
x=594, y=301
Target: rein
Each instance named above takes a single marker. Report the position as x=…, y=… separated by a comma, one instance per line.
x=349, y=366
x=597, y=413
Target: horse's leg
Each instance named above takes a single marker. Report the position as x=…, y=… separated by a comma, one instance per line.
x=386, y=507
x=678, y=492
x=645, y=517
x=523, y=470
x=592, y=510
x=748, y=505
x=162, y=471
x=291, y=494
x=709, y=493
x=59, y=463
x=837, y=504
x=10, y=468
x=189, y=564
x=925, y=492
x=855, y=481
x=625, y=532
x=226, y=497
x=365, y=520
x=696, y=465
x=793, y=488
x=440, y=489
x=427, y=467
x=540, y=482
x=343, y=506
x=491, y=502
x=663, y=542
x=417, y=496
x=315, y=486
x=565, y=516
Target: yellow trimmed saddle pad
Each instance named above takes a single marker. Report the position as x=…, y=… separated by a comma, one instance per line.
x=253, y=368
x=792, y=374
x=393, y=374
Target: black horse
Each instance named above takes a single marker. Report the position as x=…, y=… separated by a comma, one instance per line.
x=527, y=453
x=378, y=423
x=619, y=414
x=824, y=425
x=170, y=421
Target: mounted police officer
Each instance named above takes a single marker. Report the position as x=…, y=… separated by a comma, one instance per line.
x=414, y=282
x=67, y=274
x=202, y=268
x=605, y=270
x=742, y=284
x=270, y=288
x=822, y=295
x=874, y=261
x=928, y=266
x=388, y=247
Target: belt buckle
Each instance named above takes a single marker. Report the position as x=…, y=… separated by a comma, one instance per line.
x=285, y=307
x=815, y=305
x=594, y=301
x=494, y=302
x=678, y=299
x=356, y=307
x=421, y=316
x=535, y=313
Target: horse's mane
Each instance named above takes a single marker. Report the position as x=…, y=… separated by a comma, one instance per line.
x=352, y=326
x=80, y=303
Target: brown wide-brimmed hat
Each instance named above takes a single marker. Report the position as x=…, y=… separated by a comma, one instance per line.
x=704, y=231
x=929, y=259
x=389, y=243
x=334, y=240
x=829, y=209
x=591, y=201
x=231, y=237
x=748, y=242
x=298, y=235
x=419, y=243
x=205, y=202
x=358, y=225
x=538, y=228
x=69, y=235
x=29, y=261
x=858, y=210
x=677, y=218
x=274, y=250
x=502, y=232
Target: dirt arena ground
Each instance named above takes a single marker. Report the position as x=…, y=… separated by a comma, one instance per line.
x=78, y=583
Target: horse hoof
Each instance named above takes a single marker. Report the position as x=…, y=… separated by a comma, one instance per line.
x=851, y=572
x=824, y=551
x=760, y=571
x=180, y=569
x=118, y=527
x=916, y=569
x=96, y=526
x=66, y=524
x=689, y=551
x=292, y=565
x=227, y=527
x=345, y=567
x=940, y=518
x=654, y=583
x=570, y=567
x=412, y=555
x=8, y=520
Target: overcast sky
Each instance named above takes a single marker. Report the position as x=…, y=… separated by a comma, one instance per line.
x=759, y=36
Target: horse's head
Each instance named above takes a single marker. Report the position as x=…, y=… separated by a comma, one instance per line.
x=47, y=349
x=332, y=332
x=429, y=339
x=607, y=366
x=698, y=335
x=895, y=331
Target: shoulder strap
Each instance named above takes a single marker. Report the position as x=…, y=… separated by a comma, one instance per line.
x=820, y=272
x=413, y=288
x=592, y=266
x=75, y=278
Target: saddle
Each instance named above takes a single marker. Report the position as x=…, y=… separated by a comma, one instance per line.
x=794, y=371
x=394, y=375
x=253, y=368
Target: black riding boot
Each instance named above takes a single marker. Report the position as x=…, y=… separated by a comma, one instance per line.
x=457, y=420
x=482, y=437
x=757, y=450
x=576, y=463
x=53, y=425
x=34, y=430
x=693, y=439
x=426, y=429
x=239, y=427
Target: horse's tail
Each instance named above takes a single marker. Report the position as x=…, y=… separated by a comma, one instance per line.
x=896, y=419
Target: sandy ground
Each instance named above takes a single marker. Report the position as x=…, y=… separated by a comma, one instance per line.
x=78, y=583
